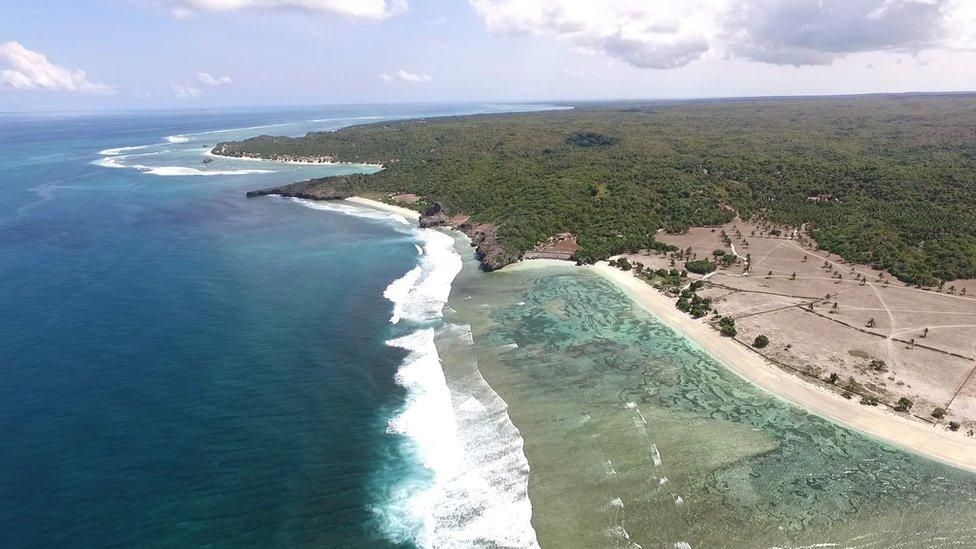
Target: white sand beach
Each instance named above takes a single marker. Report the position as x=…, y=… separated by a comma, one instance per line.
x=399, y=210
x=917, y=436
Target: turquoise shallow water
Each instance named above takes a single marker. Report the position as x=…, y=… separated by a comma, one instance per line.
x=180, y=365
x=636, y=437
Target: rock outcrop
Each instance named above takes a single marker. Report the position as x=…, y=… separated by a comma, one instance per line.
x=484, y=236
x=435, y=216
x=313, y=189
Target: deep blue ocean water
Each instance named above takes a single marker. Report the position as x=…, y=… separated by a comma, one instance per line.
x=180, y=365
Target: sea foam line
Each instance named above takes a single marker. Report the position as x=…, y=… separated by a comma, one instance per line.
x=400, y=222
x=116, y=162
x=459, y=428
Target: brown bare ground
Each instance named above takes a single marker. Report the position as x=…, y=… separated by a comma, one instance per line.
x=936, y=370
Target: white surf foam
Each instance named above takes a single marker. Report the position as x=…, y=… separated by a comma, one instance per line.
x=357, y=211
x=117, y=162
x=420, y=295
x=459, y=427
x=464, y=436
x=109, y=162
x=177, y=138
x=182, y=170
x=119, y=150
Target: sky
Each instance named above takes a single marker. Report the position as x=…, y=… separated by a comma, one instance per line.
x=125, y=54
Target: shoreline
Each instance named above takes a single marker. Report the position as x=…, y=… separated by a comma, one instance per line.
x=909, y=434
x=211, y=154
x=904, y=432
x=390, y=208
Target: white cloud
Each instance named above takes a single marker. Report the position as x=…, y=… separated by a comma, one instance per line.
x=185, y=91
x=672, y=33
x=208, y=79
x=30, y=70
x=404, y=76
x=358, y=9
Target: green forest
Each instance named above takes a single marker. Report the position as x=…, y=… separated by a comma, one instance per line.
x=896, y=175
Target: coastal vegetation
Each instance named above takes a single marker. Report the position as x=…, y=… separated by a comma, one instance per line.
x=700, y=266
x=882, y=180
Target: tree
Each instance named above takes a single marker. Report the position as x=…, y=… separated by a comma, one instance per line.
x=833, y=378
x=870, y=323
x=700, y=266
x=939, y=412
x=760, y=341
x=904, y=404
x=728, y=331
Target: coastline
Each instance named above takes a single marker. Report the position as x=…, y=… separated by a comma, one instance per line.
x=904, y=432
x=458, y=426
x=209, y=153
x=376, y=204
x=909, y=434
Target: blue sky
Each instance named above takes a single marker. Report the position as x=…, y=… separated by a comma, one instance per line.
x=186, y=53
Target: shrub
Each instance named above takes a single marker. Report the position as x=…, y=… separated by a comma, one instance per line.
x=760, y=341
x=833, y=378
x=953, y=426
x=624, y=264
x=869, y=401
x=728, y=331
x=700, y=266
x=938, y=413
x=904, y=404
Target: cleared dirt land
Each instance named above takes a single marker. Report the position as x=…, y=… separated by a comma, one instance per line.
x=880, y=338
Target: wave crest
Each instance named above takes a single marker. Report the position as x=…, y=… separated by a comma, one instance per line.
x=475, y=490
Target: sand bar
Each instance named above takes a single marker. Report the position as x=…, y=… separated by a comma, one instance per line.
x=914, y=435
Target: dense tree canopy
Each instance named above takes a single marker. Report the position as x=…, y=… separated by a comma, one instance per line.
x=893, y=177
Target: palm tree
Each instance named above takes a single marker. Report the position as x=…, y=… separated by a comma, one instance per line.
x=871, y=323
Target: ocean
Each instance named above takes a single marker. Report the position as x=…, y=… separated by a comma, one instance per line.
x=182, y=366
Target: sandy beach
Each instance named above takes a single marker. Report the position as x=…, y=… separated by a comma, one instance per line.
x=209, y=152
x=907, y=433
x=405, y=212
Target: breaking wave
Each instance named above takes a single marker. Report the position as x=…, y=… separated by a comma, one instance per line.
x=473, y=490
x=119, y=150
x=181, y=170
x=357, y=211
